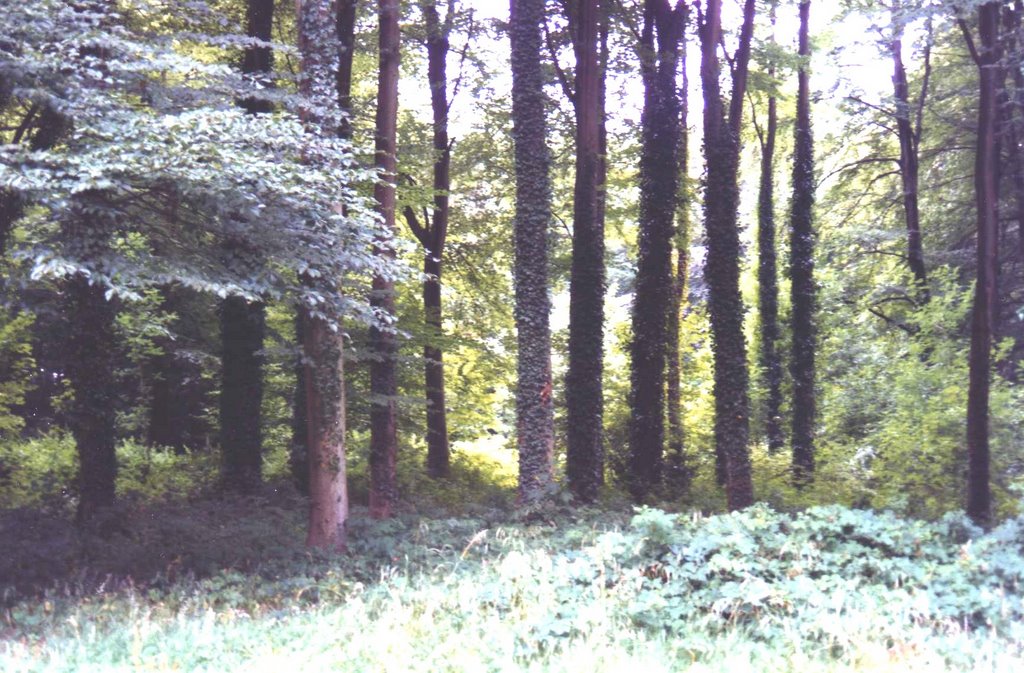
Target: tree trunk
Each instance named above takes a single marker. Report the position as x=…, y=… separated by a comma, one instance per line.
x=243, y=322
x=383, y=342
x=168, y=407
x=801, y=244
x=767, y=277
x=583, y=381
x=323, y=344
x=659, y=176
x=534, y=414
x=721, y=149
x=908, y=139
x=987, y=57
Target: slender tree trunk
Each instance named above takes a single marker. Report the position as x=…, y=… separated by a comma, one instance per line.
x=322, y=345
x=534, y=415
x=383, y=367
x=767, y=277
x=168, y=408
x=583, y=381
x=243, y=322
x=987, y=57
x=659, y=180
x=721, y=149
x=677, y=475
x=908, y=139
x=90, y=367
x=801, y=244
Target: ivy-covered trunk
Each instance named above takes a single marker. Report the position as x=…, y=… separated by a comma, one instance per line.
x=722, y=268
x=322, y=342
x=243, y=322
x=383, y=342
x=583, y=381
x=801, y=246
x=534, y=413
x=767, y=279
x=659, y=49
x=986, y=187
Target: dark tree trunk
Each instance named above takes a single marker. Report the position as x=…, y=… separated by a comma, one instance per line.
x=323, y=346
x=431, y=234
x=384, y=344
x=90, y=354
x=909, y=139
x=767, y=277
x=583, y=381
x=659, y=179
x=677, y=475
x=987, y=56
x=534, y=414
x=801, y=245
x=346, y=29
x=243, y=322
x=721, y=149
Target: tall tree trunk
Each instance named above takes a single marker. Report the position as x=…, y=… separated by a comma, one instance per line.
x=534, y=414
x=677, y=475
x=987, y=56
x=721, y=149
x=801, y=245
x=767, y=277
x=383, y=367
x=243, y=322
x=659, y=181
x=909, y=139
x=323, y=346
x=90, y=366
x=583, y=381
x=431, y=234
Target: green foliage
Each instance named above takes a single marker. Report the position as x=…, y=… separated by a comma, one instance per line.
x=16, y=369
x=832, y=589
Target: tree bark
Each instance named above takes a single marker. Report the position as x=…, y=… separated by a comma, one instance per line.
x=659, y=179
x=243, y=322
x=721, y=149
x=583, y=381
x=987, y=57
x=323, y=343
x=767, y=277
x=909, y=140
x=534, y=413
x=383, y=341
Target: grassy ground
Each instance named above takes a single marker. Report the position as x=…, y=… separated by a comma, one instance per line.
x=225, y=585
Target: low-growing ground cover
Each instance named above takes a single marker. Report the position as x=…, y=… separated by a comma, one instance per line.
x=548, y=589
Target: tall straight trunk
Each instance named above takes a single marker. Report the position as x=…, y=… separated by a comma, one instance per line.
x=242, y=322
x=583, y=381
x=322, y=343
x=431, y=234
x=909, y=139
x=767, y=277
x=801, y=245
x=986, y=168
x=90, y=366
x=535, y=434
x=721, y=149
x=383, y=342
x=659, y=181
x=1016, y=18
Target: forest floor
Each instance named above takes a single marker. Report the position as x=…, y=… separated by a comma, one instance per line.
x=224, y=584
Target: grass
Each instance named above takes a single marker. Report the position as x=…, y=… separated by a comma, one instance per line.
x=224, y=584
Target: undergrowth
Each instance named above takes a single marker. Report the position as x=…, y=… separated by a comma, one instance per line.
x=551, y=588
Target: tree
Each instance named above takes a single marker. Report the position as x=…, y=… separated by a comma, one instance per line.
x=659, y=179
x=801, y=272
x=767, y=271
x=721, y=203
x=383, y=339
x=987, y=55
x=583, y=381
x=534, y=413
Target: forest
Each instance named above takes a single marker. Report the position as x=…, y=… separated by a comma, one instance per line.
x=473, y=335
